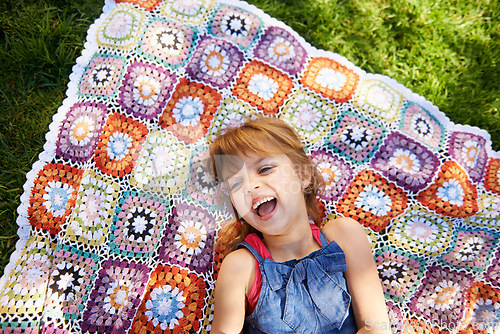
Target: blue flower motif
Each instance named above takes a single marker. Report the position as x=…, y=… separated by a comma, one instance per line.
x=57, y=197
x=263, y=86
x=374, y=200
x=486, y=315
x=119, y=145
x=452, y=192
x=188, y=110
x=164, y=307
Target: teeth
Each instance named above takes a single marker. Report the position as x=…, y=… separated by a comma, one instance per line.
x=264, y=200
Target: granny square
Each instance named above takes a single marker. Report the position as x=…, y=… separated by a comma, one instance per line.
x=90, y=220
x=215, y=62
x=263, y=86
x=281, y=49
x=102, y=76
x=158, y=170
x=452, y=193
x=421, y=125
x=146, y=89
x=355, y=137
x=469, y=151
x=119, y=145
x=422, y=231
x=173, y=302
x=71, y=281
x=331, y=79
x=405, y=161
x=187, y=239
x=137, y=225
x=117, y=291
x=378, y=99
x=372, y=200
x=440, y=299
x=79, y=132
x=53, y=197
x=190, y=110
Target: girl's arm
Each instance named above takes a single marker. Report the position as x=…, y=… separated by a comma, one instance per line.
x=231, y=288
x=362, y=278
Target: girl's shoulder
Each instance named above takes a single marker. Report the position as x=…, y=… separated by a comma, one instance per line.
x=239, y=268
x=346, y=232
x=238, y=261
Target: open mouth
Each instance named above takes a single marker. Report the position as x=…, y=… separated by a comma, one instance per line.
x=264, y=207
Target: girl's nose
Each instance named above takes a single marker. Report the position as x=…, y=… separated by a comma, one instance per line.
x=251, y=188
x=253, y=184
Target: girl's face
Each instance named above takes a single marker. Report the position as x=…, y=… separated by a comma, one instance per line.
x=267, y=192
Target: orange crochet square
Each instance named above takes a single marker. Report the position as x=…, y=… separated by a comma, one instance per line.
x=53, y=196
x=184, y=294
x=330, y=79
x=492, y=176
x=372, y=200
x=452, y=194
x=263, y=87
x=190, y=110
x=119, y=145
x=148, y=5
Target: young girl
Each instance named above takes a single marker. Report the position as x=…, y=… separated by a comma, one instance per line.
x=287, y=275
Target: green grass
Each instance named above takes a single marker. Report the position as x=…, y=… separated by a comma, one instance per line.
x=446, y=51
x=39, y=43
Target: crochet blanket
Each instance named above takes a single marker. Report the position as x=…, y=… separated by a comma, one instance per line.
x=119, y=218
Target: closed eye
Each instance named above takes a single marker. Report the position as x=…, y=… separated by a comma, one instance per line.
x=234, y=185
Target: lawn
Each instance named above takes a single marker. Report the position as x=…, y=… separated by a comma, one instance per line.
x=446, y=51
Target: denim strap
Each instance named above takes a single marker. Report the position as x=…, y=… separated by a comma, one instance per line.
x=255, y=253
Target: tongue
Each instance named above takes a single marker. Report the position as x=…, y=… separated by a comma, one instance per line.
x=266, y=208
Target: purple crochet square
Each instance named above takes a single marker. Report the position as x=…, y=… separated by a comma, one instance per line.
x=492, y=275
x=336, y=173
x=146, y=89
x=115, y=298
x=279, y=48
x=189, y=238
x=80, y=130
x=405, y=161
x=441, y=296
x=215, y=62
x=470, y=152
x=395, y=318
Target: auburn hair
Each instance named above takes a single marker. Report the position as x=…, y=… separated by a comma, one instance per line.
x=264, y=136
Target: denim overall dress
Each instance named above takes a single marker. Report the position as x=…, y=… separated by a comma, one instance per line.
x=307, y=295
